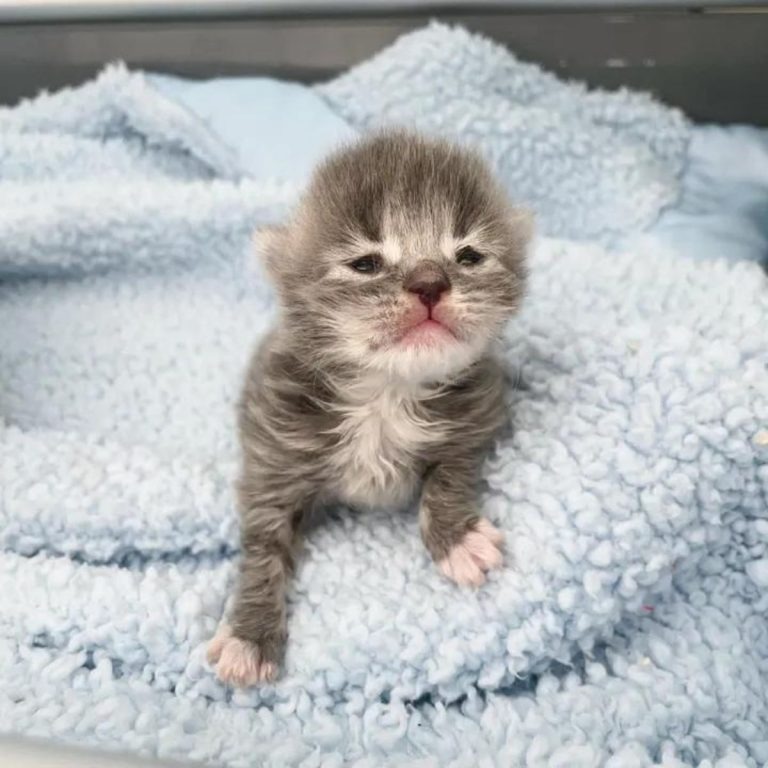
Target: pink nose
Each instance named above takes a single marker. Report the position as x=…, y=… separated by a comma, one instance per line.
x=429, y=282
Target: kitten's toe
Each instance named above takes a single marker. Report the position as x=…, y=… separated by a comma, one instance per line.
x=217, y=642
x=490, y=531
x=239, y=662
x=478, y=552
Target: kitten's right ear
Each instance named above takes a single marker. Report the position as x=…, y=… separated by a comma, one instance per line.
x=271, y=245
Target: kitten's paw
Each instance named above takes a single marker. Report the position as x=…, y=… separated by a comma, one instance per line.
x=478, y=552
x=239, y=662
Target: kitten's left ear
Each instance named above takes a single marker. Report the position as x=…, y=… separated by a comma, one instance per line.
x=271, y=245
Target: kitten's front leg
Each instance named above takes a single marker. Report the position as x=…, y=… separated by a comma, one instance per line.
x=464, y=545
x=249, y=650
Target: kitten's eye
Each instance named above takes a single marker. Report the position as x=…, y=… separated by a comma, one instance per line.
x=368, y=264
x=468, y=257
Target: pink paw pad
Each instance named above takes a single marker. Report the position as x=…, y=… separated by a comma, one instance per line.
x=237, y=661
x=478, y=552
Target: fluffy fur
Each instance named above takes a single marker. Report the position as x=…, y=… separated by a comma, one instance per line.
x=400, y=267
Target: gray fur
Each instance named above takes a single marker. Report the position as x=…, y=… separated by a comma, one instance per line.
x=309, y=407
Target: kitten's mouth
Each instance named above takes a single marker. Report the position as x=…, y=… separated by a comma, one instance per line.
x=427, y=332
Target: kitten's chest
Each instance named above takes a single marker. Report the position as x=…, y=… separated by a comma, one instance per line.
x=378, y=457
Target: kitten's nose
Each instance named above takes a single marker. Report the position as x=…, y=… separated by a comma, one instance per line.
x=429, y=282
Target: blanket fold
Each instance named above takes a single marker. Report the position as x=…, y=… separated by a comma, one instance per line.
x=630, y=482
x=589, y=163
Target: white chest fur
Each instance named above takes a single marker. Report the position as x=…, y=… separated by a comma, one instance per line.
x=380, y=436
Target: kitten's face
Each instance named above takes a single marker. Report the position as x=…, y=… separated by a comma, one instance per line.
x=419, y=302
x=404, y=259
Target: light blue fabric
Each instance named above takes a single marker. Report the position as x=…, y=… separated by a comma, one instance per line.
x=723, y=210
x=277, y=129
x=589, y=163
x=629, y=624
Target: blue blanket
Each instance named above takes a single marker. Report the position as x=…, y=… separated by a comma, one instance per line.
x=590, y=163
x=631, y=482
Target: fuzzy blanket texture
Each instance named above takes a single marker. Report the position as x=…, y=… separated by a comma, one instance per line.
x=628, y=627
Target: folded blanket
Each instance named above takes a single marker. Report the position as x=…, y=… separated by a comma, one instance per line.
x=590, y=163
x=84, y=169
x=631, y=486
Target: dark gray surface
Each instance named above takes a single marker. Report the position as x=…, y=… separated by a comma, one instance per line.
x=713, y=64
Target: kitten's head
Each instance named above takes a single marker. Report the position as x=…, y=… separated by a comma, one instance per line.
x=404, y=257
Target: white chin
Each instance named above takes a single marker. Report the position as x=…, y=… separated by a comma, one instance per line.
x=427, y=362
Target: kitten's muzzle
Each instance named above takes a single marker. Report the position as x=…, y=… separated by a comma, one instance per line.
x=428, y=281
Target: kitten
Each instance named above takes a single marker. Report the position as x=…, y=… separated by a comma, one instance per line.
x=402, y=263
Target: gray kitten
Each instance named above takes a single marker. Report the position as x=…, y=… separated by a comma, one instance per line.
x=400, y=266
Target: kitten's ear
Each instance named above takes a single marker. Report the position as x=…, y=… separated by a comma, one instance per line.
x=271, y=245
x=524, y=224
